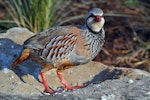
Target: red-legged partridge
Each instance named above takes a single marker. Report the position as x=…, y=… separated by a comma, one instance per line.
x=63, y=47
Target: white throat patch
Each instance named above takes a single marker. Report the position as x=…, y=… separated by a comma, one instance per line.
x=95, y=26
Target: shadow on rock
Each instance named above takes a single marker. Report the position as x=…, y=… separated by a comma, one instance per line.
x=105, y=75
x=9, y=52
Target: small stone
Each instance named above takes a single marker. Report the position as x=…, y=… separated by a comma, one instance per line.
x=108, y=97
x=46, y=93
x=130, y=81
x=65, y=95
x=11, y=77
x=91, y=76
x=5, y=70
x=12, y=46
x=60, y=89
x=148, y=93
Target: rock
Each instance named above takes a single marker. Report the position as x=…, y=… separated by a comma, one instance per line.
x=17, y=34
x=104, y=82
x=11, y=84
x=9, y=51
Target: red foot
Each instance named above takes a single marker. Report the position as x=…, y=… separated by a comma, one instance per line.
x=45, y=83
x=75, y=87
x=78, y=87
x=67, y=86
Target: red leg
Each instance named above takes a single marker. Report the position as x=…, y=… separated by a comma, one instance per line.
x=45, y=83
x=64, y=82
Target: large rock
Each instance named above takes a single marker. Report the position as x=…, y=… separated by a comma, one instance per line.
x=105, y=82
x=17, y=34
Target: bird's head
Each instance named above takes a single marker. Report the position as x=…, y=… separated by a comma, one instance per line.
x=95, y=19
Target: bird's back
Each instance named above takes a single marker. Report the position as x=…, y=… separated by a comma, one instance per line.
x=59, y=45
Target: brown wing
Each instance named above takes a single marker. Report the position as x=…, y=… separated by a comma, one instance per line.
x=40, y=40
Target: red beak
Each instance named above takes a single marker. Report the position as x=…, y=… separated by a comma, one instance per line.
x=98, y=18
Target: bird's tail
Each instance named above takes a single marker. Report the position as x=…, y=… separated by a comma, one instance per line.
x=25, y=54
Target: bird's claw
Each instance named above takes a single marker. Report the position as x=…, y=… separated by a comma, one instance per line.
x=49, y=91
x=74, y=87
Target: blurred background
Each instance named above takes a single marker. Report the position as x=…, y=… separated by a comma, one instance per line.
x=127, y=25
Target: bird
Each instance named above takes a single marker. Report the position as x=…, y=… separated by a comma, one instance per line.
x=63, y=47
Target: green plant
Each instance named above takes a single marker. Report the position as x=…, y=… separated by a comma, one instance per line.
x=36, y=15
x=132, y=2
